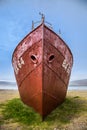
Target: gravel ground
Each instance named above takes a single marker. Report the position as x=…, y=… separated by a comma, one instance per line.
x=78, y=123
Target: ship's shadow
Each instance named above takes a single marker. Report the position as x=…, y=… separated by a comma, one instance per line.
x=71, y=108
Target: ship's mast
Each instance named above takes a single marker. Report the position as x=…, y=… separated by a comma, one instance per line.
x=32, y=25
x=42, y=17
x=42, y=21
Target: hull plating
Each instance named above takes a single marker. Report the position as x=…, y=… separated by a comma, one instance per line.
x=42, y=65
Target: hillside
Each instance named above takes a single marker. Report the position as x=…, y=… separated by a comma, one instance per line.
x=82, y=82
x=7, y=83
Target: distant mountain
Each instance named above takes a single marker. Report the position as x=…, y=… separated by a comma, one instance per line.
x=5, y=83
x=82, y=82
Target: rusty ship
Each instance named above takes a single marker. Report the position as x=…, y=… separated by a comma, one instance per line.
x=42, y=64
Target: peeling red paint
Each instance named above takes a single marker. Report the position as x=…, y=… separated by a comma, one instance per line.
x=42, y=65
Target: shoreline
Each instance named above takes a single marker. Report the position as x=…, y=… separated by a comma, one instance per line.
x=8, y=94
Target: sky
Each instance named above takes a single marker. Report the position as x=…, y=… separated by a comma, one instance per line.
x=69, y=16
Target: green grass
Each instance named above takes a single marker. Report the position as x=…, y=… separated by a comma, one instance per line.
x=16, y=111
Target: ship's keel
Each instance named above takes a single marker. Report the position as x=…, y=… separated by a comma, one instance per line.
x=43, y=90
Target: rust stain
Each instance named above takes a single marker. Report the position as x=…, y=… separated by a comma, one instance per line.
x=42, y=65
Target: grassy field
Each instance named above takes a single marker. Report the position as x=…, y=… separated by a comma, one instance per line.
x=71, y=115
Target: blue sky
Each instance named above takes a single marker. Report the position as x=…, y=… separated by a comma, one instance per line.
x=70, y=16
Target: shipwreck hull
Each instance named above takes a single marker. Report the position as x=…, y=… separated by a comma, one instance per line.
x=42, y=65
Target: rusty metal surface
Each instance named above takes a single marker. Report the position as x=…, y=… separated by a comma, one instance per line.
x=42, y=65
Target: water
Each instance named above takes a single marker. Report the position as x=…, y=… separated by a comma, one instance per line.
x=77, y=87
x=14, y=87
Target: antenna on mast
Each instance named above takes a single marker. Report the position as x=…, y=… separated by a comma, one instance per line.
x=42, y=17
